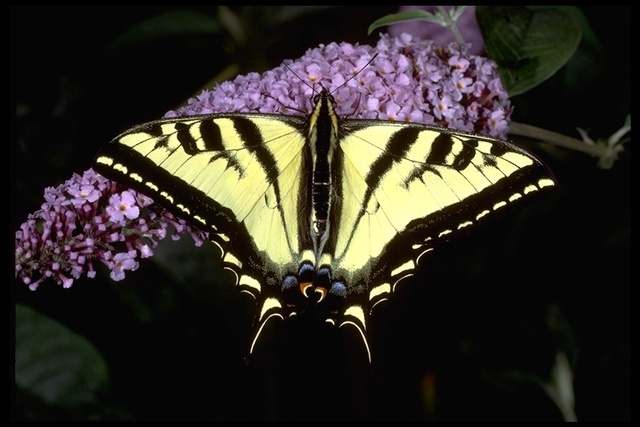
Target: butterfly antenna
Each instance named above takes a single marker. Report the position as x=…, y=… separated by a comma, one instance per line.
x=357, y=73
x=287, y=106
x=300, y=78
x=312, y=87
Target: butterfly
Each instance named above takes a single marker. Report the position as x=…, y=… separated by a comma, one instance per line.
x=319, y=212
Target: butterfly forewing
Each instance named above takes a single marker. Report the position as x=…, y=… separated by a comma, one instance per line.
x=241, y=179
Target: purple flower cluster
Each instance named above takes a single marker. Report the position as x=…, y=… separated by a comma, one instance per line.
x=409, y=80
x=90, y=219
x=87, y=219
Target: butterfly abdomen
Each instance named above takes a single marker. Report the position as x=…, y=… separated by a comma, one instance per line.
x=322, y=134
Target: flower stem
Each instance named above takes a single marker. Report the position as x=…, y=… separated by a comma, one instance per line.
x=451, y=24
x=555, y=138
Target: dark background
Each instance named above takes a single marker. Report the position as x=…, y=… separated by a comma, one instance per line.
x=479, y=326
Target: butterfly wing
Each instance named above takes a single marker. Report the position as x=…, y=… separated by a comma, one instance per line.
x=237, y=176
x=416, y=185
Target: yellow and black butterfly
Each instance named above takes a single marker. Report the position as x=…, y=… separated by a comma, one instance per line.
x=318, y=211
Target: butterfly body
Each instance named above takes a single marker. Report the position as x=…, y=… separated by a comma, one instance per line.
x=322, y=212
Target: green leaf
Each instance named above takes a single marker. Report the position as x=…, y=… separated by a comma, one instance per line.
x=589, y=36
x=170, y=24
x=530, y=45
x=55, y=365
x=395, y=18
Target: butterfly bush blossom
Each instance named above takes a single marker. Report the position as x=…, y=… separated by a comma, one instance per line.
x=409, y=80
x=91, y=220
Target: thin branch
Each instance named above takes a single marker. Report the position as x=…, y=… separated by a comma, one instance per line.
x=558, y=139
